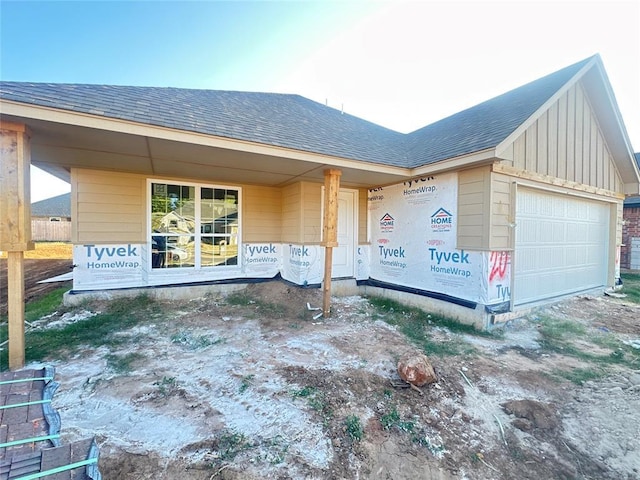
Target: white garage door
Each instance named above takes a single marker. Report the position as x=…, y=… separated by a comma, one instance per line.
x=561, y=245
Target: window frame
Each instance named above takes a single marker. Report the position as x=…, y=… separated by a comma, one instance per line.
x=197, y=234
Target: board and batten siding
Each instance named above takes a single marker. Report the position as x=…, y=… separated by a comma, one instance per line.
x=566, y=142
x=107, y=207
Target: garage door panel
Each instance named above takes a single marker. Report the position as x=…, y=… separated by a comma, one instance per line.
x=561, y=245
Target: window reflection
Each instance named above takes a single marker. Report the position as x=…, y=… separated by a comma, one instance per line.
x=177, y=226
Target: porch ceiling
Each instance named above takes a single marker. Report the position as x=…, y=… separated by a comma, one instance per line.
x=59, y=147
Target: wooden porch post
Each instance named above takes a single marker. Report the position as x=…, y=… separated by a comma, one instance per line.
x=15, y=230
x=330, y=232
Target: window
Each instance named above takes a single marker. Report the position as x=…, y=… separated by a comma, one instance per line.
x=194, y=226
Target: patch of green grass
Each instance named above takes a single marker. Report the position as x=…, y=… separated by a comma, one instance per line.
x=631, y=287
x=195, y=342
x=36, y=309
x=277, y=450
x=557, y=337
x=444, y=349
x=230, y=444
x=581, y=375
x=392, y=419
x=45, y=305
x=561, y=329
x=99, y=330
x=316, y=399
x=416, y=324
x=354, y=428
x=243, y=299
x=123, y=363
x=246, y=382
x=166, y=386
x=436, y=448
x=304, y=392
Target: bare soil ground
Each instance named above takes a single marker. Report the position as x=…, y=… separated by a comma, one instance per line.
x=35, y=270
x=215, y=390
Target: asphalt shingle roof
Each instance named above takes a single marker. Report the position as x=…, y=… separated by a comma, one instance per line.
x=284, y=120
x=487, y=124
x=59, y=206
x=293, y=121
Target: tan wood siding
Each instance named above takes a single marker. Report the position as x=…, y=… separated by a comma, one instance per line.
x=502, y=196
x=110, y=207
x=473, y=208
x=292, y=213
x=312, y=212
x=261, y=214
x=566, y=142
x=485, y=210
x=363, y=212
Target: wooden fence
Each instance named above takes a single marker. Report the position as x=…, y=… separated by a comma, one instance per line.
x=46, y=231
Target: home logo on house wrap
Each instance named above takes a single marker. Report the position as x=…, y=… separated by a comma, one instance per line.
x=386, y=223
x=441, y=221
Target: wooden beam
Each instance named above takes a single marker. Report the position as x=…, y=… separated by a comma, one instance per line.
x=329, y=232
x=557, y=182
x=15, y=285
x=15, y=234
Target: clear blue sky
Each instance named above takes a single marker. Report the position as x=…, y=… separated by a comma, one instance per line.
x=400, y=64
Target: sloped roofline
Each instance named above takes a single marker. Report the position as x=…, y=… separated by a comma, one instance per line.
x=58, y=206
x=590, y=71
x=593, y=76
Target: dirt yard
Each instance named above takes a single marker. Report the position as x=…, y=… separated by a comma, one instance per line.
x=35, y=269
x=214, y=389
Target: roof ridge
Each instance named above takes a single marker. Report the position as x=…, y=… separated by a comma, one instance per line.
x=573, y=66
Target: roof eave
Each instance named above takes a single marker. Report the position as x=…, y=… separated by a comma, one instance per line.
x=504, y=144
x=594, y=78
x=613, y=127
x=36, y=112
x=478, y=158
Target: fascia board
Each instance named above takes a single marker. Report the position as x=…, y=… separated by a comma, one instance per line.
x=24, y=111
x=475, y=158
x=631, y=189
x=622, y=148
x=502, y=146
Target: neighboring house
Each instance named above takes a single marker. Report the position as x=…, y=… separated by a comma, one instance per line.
x=630, y=251
x=511, y=202
x=51, y=219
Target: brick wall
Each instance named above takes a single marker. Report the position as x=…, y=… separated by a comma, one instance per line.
x=630, y=229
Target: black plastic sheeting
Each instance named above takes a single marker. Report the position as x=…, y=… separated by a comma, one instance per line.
x=370, y=282
x=416, y=291
x=228, y=281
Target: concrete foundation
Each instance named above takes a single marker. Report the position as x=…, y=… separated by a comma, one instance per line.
x=186, y=292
